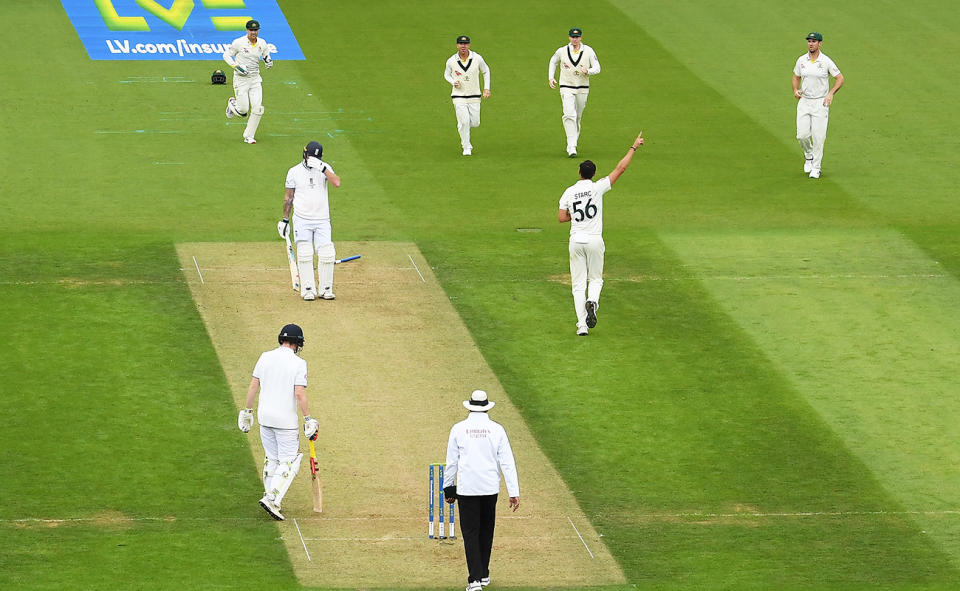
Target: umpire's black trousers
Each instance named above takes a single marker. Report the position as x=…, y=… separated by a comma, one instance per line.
x=478, y=517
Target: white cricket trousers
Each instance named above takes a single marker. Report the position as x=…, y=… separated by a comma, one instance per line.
x=249, y=93
x=279, y=446
x=310, y=236
x=586, y=274
x=468, y=115
x=574, y=101
x=812, y=118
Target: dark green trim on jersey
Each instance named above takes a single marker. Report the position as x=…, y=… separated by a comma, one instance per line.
x=570, y=56
x=464, y=67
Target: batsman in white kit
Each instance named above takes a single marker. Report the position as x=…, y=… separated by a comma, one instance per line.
x=280, y=377
x=306, y=195
x=582, y=205
x=462, y=71
x=577, y=62
x=244, y=55
x=811, y=88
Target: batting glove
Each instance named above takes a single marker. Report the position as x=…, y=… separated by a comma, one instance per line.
x=245, y=420
x=283, y=226
x=311, y=428
x=240, y=70
x=268, y=62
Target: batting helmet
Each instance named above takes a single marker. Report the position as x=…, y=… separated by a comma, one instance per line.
x=314, y=149
x=291, y=333
x=218, y=77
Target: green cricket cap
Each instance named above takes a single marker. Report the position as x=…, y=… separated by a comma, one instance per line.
x=253, y=25
x=463, y=39
x=576, y=32
x=815, y=36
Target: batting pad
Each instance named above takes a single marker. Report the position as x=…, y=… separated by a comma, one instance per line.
x=391, y=292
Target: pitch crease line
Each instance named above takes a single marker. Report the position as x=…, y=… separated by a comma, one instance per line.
x=417, y=268
x=301, y=540
x=202, y=282
x=581, y=537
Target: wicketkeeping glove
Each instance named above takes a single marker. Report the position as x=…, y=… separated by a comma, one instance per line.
x=240, y=70
x=283, y=226
x=311, y=428
x=245, y=420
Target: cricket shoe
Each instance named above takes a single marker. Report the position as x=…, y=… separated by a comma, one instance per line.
x=571, y=153
x=582, y=331
x=591, y=313
x=475, y=586
x=231, y=107
x=807, y=165
x=468, y=151
x=249, y=140
x=272, y=509
x=485, y=581
x=328, y=295
x=309, y=295
x=815, y=173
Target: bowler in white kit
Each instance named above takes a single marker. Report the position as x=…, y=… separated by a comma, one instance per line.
x=463, y=71
x=280, y=379
x=582, y=205
x=811, y=88
x=244, y=55
x=577, y=62
x=306, y=196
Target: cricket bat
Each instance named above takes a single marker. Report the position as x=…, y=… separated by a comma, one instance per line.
x=347, y=259
x=294, y=270
x=315, y=478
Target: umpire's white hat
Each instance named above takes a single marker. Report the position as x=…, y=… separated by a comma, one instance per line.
x=478, y=402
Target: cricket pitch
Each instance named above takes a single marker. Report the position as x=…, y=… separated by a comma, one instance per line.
x=389, y=363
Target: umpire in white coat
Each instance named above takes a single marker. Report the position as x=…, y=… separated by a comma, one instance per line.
x=477, y=452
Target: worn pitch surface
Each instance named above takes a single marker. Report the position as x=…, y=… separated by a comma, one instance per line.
x=389, y=363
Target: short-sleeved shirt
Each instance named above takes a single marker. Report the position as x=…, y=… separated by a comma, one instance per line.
x=279, y=371
x=310, y=199
x=247, y=55
x=478, y=450
x=815, y=75
x=584, y=201
x=468, y=73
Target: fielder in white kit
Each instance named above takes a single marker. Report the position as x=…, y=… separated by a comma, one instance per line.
x=280, y=377
x=582, y=206
x=306, y=195
x=463, y=71
x=244, y=56
x=811, y=88
x=577, y=63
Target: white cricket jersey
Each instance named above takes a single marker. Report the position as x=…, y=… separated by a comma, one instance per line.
x=570, y=62
x=468, y=73
x=584, y=201
x=279, y=370
x=310, y=199
x=478, y=451
x=815, y=75
x=242, y=53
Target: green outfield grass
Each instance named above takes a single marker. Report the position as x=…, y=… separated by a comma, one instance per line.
x=768, y=401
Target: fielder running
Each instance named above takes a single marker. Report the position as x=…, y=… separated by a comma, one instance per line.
x=306, y=195
x=811, y=88
x=577, y=63
x=280, y=377
x=582, y=206
x=244, y=56
x=463, y=72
